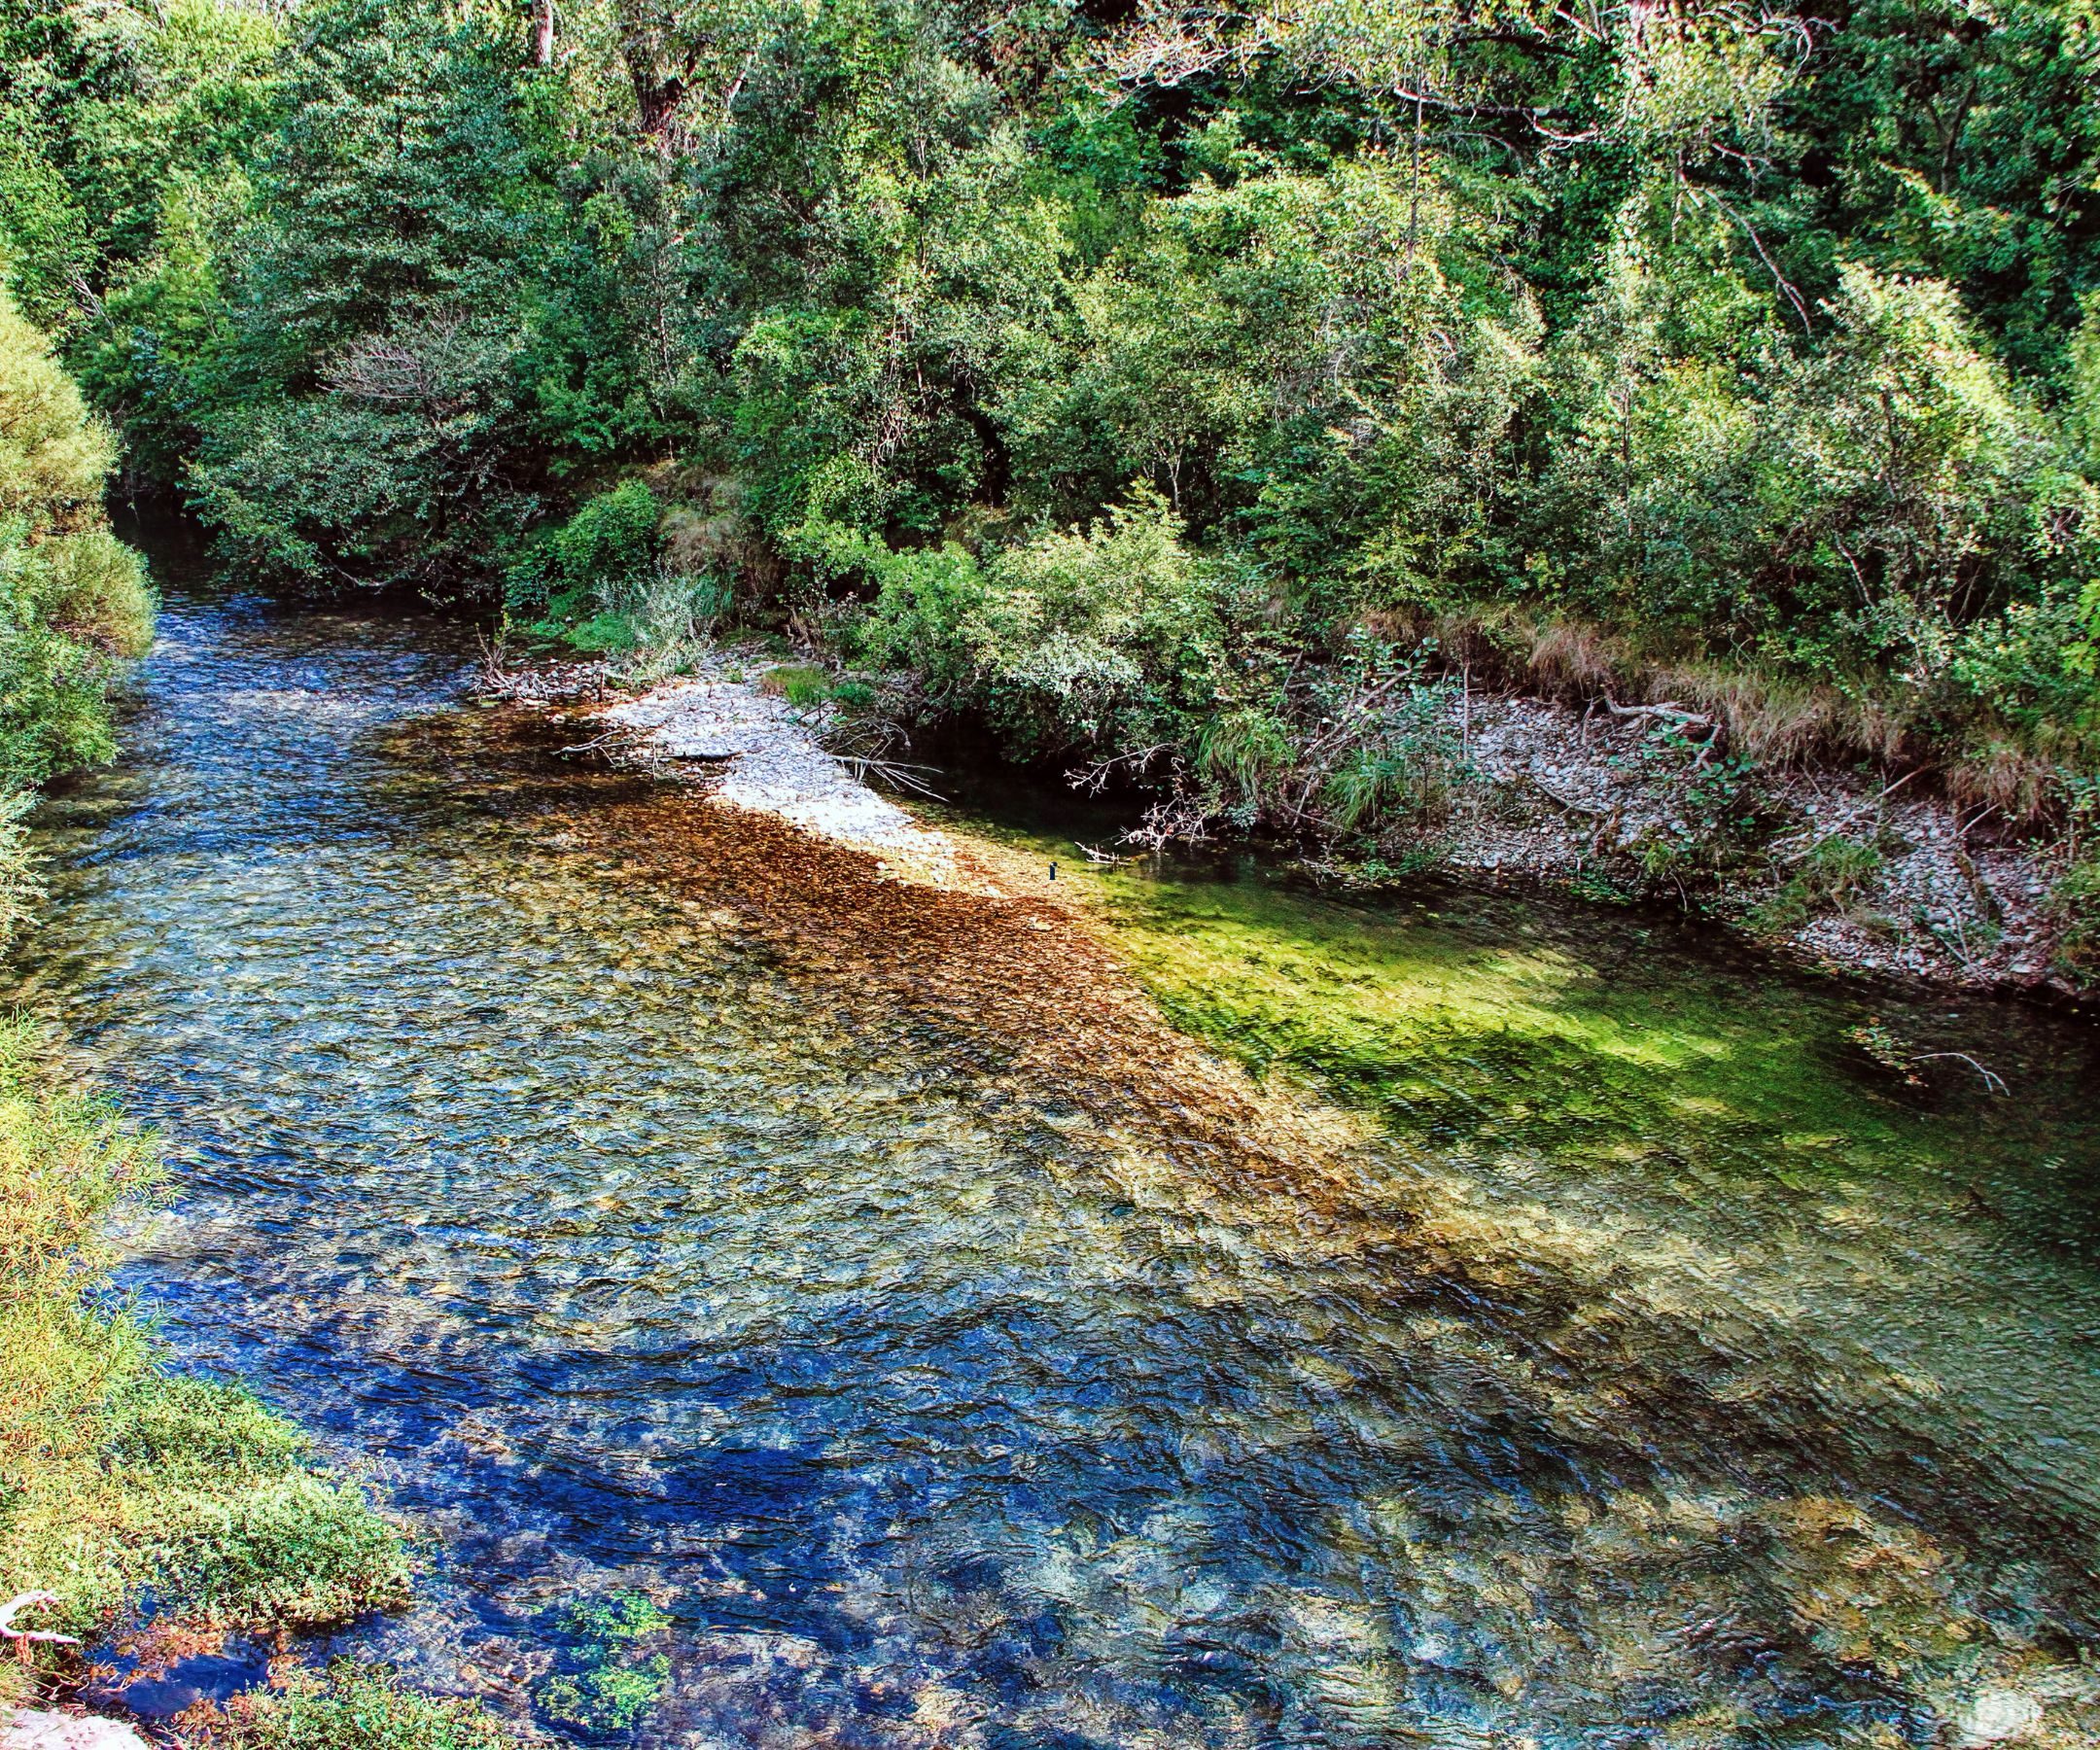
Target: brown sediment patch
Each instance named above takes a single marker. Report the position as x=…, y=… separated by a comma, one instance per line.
x=988, y=955
x=971, y=944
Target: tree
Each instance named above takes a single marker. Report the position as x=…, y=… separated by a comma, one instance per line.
x=74, y=606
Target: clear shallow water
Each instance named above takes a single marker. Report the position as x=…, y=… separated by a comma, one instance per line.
x=1631, y=1366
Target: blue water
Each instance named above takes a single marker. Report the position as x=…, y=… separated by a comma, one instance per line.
x=894, y=1382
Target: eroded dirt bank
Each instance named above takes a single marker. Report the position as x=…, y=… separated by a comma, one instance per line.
x=1845, y=869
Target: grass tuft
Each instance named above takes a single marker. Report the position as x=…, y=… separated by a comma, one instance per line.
x=801, y=685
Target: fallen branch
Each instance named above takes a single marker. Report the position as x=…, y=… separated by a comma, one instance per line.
x=1093, y=777
x=607, y=740
x=23, y=1638
x=894, y=772
x=1993, y=1082
x=1669, y=711
x=1891, y=788
x=1179, y=817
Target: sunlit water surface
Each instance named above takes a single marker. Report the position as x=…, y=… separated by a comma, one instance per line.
x=639, y=1263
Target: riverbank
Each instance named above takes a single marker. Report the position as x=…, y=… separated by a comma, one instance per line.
x=154, y=1520
x=1837, y=868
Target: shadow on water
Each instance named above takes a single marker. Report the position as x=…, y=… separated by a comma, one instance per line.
x=806, y=1309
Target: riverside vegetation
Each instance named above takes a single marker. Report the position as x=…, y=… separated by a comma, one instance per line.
x=1194, y=397
x=130, y=1489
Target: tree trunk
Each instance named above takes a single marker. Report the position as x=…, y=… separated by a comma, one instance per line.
x=543, y=33
x=656, y=101
x=658, y=92
x=998, y=458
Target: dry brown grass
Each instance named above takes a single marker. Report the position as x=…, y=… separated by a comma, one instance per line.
x=2019, y=783
x=1774, y=721
x=704, y=530
x=1771, y=719
x=1568, y=657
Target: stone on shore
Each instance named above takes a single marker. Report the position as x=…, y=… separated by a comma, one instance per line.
x=770, y=761
x=27, y=1729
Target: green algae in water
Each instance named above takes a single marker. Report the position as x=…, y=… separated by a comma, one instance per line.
x=609, y=1685
x=1681, y=1121
x=1896, y=1271
x=1471, y=1019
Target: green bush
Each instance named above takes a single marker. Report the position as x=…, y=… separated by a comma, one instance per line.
x=1709, y=344
x=800, y=684
x=1246, y=750
x=1832, y=872
x=1107, y=637
x=2075, y=903
x=591, y=579
x=74, y=604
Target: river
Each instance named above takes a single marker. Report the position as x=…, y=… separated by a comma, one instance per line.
x=795, y=1315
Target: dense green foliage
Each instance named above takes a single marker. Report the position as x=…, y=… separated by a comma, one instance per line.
x=1114, y=373
x=74, y=604
x=73, y=601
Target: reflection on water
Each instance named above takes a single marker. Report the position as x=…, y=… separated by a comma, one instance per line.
x=777, y=1354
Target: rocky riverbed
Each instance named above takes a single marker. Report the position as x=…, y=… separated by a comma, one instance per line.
x=35, y=1729
x=1843, y=867
x=805, y=1303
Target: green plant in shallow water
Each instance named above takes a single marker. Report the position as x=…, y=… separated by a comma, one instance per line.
x=353, y=1707
x=609, y=1686
x=1450, y=1026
